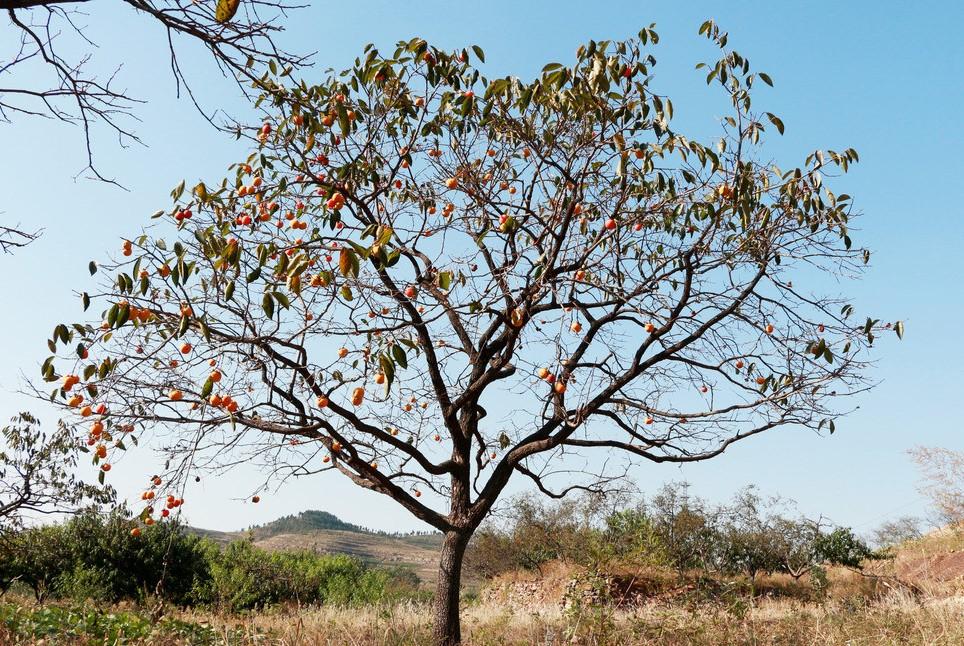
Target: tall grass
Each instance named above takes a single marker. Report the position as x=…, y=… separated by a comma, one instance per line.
x=899, y=618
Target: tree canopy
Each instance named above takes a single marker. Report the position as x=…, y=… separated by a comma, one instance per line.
x=430, y=280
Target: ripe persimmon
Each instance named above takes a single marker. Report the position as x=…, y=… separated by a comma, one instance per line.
x=358, y=396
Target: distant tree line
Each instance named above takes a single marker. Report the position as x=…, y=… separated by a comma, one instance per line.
x=305, y=521
x=748, y=536
x=312, y=520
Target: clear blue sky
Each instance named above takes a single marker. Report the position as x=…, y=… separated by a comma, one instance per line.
x=882, y=77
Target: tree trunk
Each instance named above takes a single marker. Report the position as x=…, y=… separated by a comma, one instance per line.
x=448, y=631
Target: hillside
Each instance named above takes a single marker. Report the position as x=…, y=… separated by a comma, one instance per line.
x=307, y=521
x=934, y=562
x=324, y=532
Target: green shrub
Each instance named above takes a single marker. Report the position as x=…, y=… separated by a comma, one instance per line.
x=94, y=556
x=64, y=625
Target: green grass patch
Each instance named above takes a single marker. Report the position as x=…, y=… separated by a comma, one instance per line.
x=93, y=626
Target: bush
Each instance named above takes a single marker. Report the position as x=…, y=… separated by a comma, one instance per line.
x=94, y=556
x=536, y=532
x=244, y=577
x=748, y=536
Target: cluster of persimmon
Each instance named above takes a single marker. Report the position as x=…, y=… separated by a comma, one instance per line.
x=170, y=504
x=224, y=402
x=336, y=201
x=253, y=189
x=97, y=435
x=550, y=378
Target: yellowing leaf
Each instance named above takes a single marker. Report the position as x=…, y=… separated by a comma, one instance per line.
x=517, y=317
x=226, y=9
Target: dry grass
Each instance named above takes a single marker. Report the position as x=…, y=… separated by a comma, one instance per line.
x=898, y=619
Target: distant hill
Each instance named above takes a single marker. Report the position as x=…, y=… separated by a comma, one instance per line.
x=307, y=521
x=321, y=531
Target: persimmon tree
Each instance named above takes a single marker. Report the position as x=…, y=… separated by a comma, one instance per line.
x=430, y=282
x=37, y=473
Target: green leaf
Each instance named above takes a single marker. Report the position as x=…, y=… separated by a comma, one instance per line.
x=205, y=330
x=85, y=298
x=229, y=291
x=399, y=355
x=123, y=315
x=182, y=326
x=775, y=120
x=445, y=279
x=388, y=369
x=92, y=267
x=899, y=329
x=282, y=299
x=267, y=304
x=343, y=121
x=478, y=52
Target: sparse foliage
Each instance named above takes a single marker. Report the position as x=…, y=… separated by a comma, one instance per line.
x=37, y=472
x=519, y=274
x=14, y=237
x=796, y=545
x=48, y=63
x=943, y=473
x=897, y=531
x=686, y=527
x=750, y=541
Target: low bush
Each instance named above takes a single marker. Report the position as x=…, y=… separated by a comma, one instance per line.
x=95, y=557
